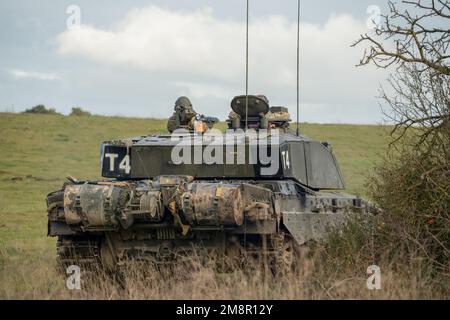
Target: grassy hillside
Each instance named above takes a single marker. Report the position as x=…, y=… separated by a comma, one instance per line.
x=38, y=151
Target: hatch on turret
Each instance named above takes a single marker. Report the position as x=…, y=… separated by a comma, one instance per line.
x=254, y=112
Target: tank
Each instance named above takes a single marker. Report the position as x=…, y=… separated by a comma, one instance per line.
x=257, y=189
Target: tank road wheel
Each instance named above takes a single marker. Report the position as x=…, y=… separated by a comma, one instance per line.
x=286, y=255
x=233, y=258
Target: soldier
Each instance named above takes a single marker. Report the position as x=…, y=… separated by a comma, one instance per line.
x=186, y=118
x=184, y=115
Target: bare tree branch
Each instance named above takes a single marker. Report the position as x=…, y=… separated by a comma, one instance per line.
x=407, y=38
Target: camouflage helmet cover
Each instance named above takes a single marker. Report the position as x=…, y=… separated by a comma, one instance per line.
x=183, y=102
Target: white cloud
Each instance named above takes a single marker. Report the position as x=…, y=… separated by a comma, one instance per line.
x=205, y=55
x=203, y=90
x=23, y=74
x=158, y=39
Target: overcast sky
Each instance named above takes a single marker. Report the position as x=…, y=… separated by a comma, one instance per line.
x=134, y=58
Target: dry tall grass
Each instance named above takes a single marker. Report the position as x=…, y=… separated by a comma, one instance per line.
x=320, y=276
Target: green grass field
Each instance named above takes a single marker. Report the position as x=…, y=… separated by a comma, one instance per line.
x=38, y=151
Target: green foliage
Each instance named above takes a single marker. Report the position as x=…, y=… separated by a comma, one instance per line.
x=410, y=235
x=77, y=111
x=384, y=241
x=412, y=187
x=41, y=109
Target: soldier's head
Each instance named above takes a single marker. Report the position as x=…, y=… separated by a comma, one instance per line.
x=183, y=103
x=183, y=111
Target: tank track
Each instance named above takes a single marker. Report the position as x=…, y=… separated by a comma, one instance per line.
x=84, y=250
x=78, y=250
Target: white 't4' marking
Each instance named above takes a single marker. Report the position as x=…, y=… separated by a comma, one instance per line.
x=112, y=157
x=125, y=164
x=285, y=156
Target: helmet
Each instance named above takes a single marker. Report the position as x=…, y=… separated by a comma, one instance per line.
x=183, y=102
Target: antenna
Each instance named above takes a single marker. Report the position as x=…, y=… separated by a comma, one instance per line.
x=246, y=71
x=246, y=107
x=298, y=65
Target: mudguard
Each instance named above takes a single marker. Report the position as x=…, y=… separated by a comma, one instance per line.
x=306, y=226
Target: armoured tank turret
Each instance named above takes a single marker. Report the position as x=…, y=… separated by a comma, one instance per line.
x=255, y=187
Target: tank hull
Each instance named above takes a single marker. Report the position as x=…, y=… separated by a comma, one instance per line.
x=168, y=217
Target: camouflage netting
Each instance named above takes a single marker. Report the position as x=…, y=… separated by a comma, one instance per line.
x=233, y=115
x=278, y=114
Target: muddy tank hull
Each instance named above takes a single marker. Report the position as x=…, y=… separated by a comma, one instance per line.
x=170, y=216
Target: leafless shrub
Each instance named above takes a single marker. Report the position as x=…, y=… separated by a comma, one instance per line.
x=412, y=184
x=412, y=32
